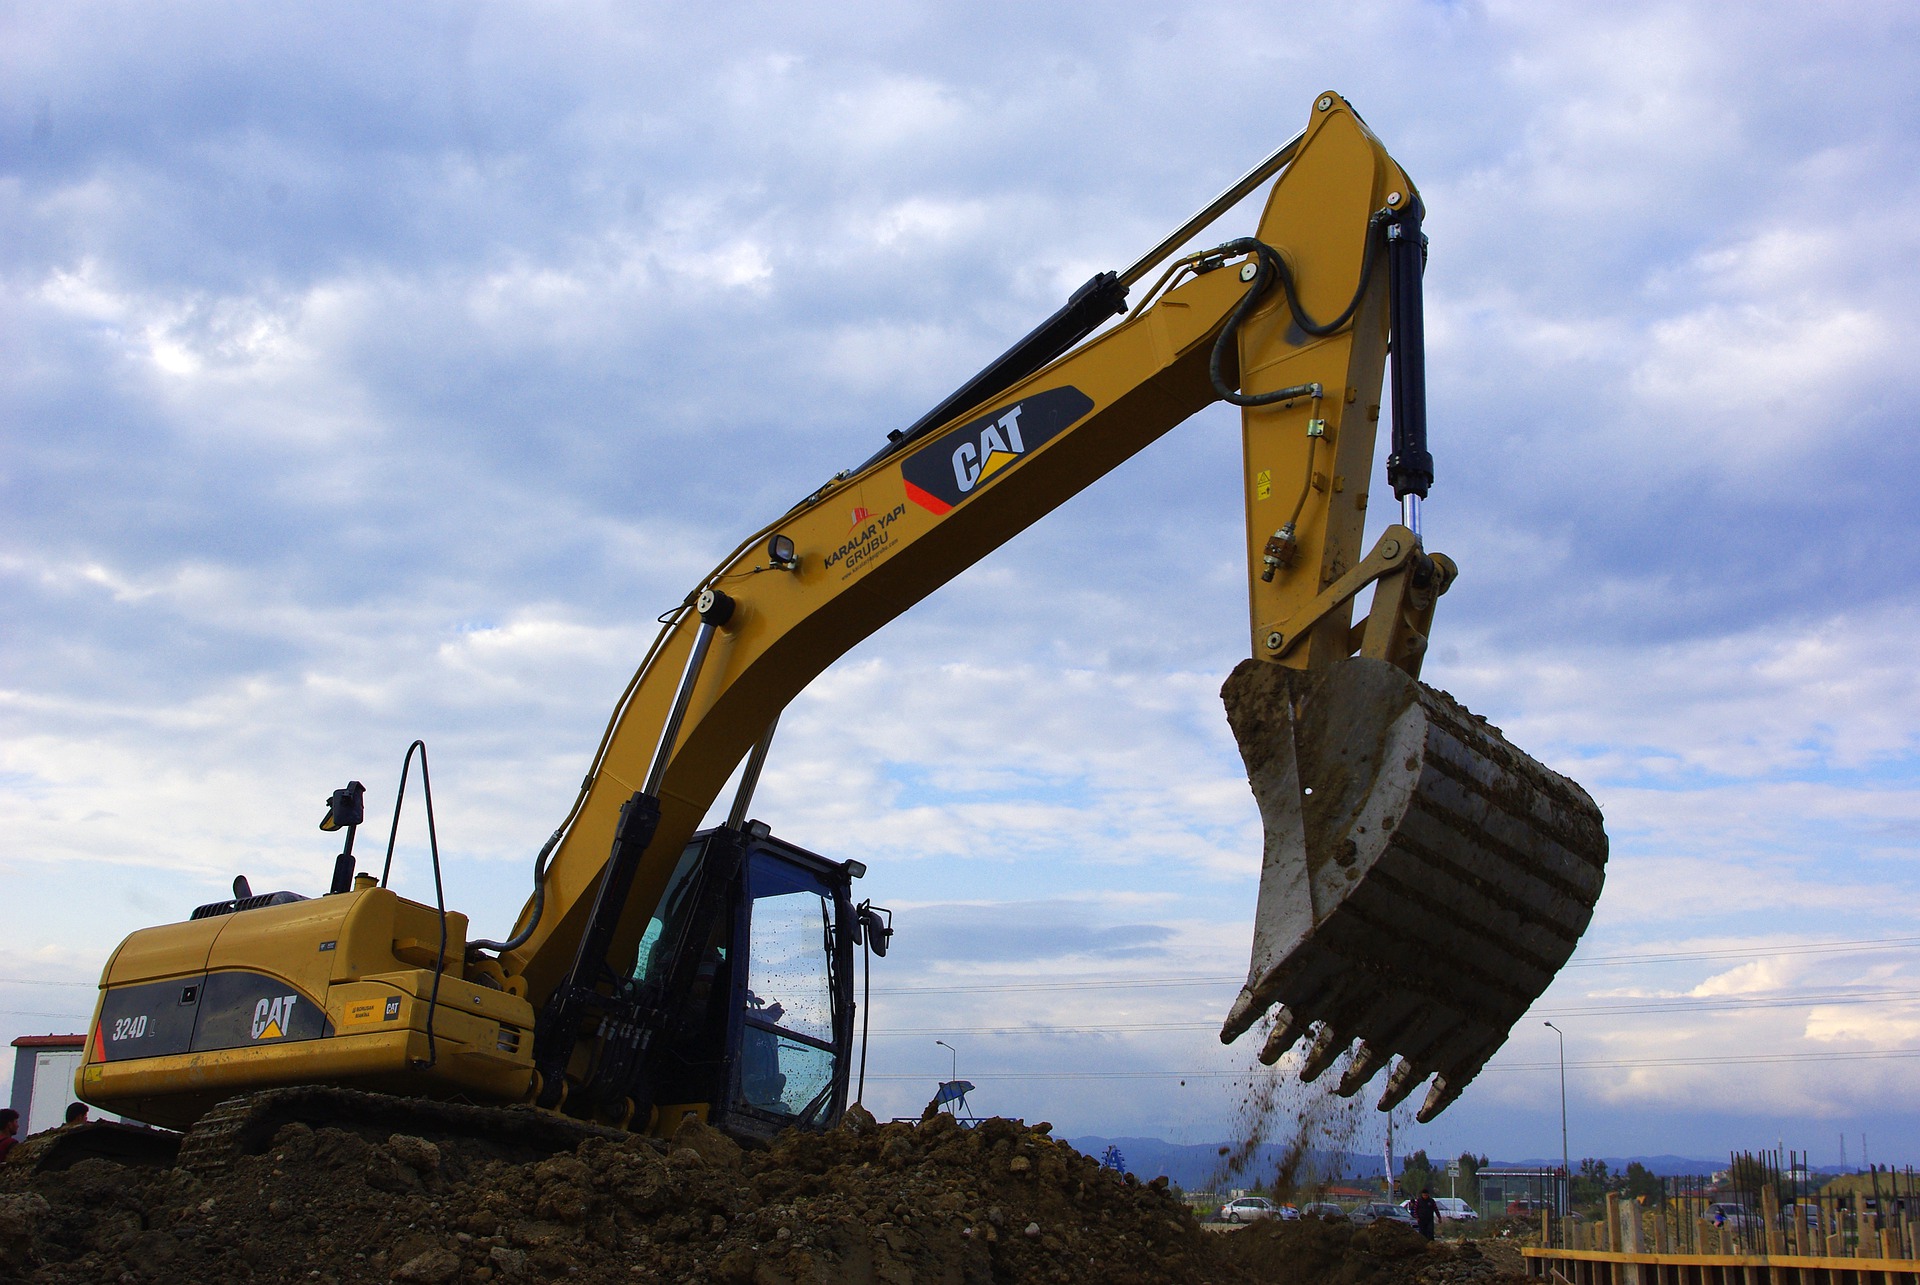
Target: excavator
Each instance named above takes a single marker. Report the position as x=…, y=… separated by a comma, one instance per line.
x=1422, y=879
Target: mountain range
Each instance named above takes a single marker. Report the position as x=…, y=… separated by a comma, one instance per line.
x=1200, y=1166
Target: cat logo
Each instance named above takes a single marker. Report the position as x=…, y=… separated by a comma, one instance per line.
x=393, y=1009
x=272, y=1017
x=957, y=464
x=971, y=465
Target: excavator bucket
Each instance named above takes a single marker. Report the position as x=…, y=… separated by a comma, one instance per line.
x=1422, y=879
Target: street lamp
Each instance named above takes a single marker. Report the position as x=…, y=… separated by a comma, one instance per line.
x=955, y=1074
x=1566, y=1163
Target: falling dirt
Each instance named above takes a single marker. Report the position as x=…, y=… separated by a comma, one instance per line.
x=1313, y=1125
x=931, y=1201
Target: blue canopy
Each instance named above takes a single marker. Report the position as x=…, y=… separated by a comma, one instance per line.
x=952, y=1091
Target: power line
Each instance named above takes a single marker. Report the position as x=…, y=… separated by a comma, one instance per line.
x=1863, y=1055
x=1046, y=1030
x=1746, y=952
x=1670, y=1004
x=1066, y=985
x=42, y=981
x=1855, y=946
x=1731, y=1003
x=1734, y=1059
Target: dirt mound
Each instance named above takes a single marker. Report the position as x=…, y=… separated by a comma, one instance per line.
x=867, y=1203
x=932, y=1202
x=1313, y=1251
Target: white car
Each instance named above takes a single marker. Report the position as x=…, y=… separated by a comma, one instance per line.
x=1246, y=1209
x=1452, y=1209
x=1728, y=1213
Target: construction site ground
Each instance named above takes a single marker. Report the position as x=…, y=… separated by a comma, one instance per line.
x=895, y=1204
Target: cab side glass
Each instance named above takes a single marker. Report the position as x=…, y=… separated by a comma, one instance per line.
x=786, y=1048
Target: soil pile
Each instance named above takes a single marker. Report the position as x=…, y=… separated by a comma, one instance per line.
x=866, y=1203
x=1317, y=1252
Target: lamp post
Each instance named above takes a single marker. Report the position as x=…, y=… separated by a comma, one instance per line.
x=955, y=1073
x=1566, y=1162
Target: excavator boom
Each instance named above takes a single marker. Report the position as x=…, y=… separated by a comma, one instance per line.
x=1400, y=830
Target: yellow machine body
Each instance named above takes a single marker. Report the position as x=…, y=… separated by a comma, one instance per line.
x=332, y=990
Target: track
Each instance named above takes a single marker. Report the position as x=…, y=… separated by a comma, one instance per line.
x=246, y=1126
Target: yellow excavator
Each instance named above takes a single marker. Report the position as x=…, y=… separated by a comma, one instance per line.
x=1422, y=879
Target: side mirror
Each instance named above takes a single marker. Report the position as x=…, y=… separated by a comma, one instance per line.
x=345, y=808
x=876, y=932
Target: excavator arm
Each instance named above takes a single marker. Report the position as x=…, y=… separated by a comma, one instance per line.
x=1293, y=324
x=1421, y=882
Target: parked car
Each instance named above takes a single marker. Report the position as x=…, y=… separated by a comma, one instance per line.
x=1810, y=1214
x=1323, y=1209
x=1527, y=1208
x=1246, y=1209
x=1733, y=1215
x=1375, y=1211
x=1452, y=1209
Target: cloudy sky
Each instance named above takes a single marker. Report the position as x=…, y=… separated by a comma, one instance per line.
x=383, y=371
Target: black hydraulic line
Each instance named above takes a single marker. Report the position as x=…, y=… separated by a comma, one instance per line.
x=1100, y=298
x=1269, y=267
x=1410, y=466
x=439, y=891
x=866, y=999
x=521, y=938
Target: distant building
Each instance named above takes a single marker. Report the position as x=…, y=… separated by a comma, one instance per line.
x=1524, y=1191
x=43, y=1071
x=1346, y=1191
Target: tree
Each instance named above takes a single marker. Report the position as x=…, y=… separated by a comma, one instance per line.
x=1416, y=1171
x=1591, y=1182
x=1642, y=1182
x=1469, y=1184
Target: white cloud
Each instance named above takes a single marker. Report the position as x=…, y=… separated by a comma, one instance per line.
x=386, y=378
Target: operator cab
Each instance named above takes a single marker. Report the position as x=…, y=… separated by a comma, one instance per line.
x=764, y=1035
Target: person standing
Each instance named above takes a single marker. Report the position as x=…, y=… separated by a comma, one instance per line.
x=1426, y=1212
x=9, y=1129
x=76, y=1113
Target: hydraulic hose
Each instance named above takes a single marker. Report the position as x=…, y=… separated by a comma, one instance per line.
x=1269, y=268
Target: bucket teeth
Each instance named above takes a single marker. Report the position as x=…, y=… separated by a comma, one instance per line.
x=1404, y=1079
x=1286, y=1029
x=1421, y=880
x=1439, y=1098
x=1321, y=1053
x=1366, y=1060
